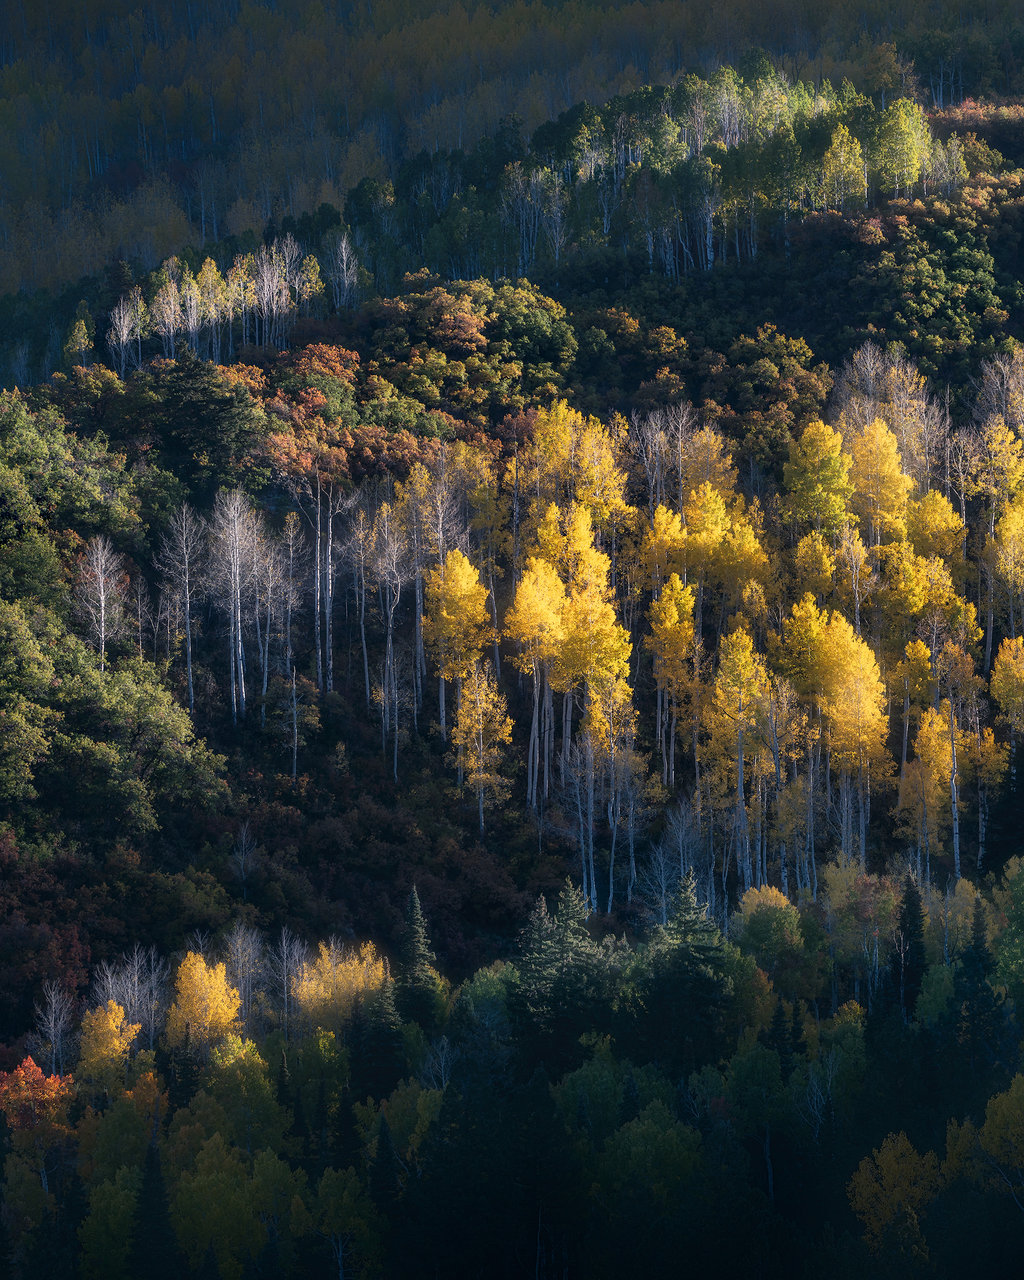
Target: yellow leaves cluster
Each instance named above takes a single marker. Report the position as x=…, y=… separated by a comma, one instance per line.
x=327, y=988
x=456, y=627
x=106, y=1042
x=205, y=1007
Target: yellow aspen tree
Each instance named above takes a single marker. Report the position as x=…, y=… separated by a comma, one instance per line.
x=594, y=656
x=535, y=624
x=671, y=646
x=105, y=1045
x=934, y=528
x=573, y=459
x=1007, y=552
x=815, y=566
x=880, y=487
x=924, y=791
x=854, y=572
x=854, y=704
x=327, y=988
x=662, y=546
x=482, y=729
x=955, y=669
x=889, y=1189
x=205, y=1007
x=1007, y=687
x=456, y=627
x=707, y=524
x=732, y=718
x=701, y=458
x=915, y=679
x=742, y=567
x=213, y=305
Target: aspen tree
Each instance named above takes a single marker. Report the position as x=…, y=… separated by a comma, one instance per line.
x=671, y=644
x=388, y=567
x=456, y=627
x=535, y=623
x=231, y=546
x=101, y=594
x=815, y=566
x=732, y=717
x=880, y=487
x=843, y=172
x=817, y=480
x=482, y=728
x=934, y=528
x=997, y=477
x=1007, y=550
x=854, y=703
x=205, y=1007
x=106, y=1041
x=180, y=562
x=707, y=524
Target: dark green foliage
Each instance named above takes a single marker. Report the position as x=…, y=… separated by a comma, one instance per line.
x=980, y=1023
x=155, y=1249
x=418, y=992
x=909, y=961
x=375, y=1040
x=209, y=431
x=387, y=1173
x=672, y=1010
x=559, y=987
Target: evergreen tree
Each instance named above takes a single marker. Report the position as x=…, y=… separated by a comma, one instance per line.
x=778, y=1036
x=211, y=429
x=908, y=957
x=417, y=986
x=673, y=1013
x=375, y=1035
x=978, y=1020
x=559, y=987
x=284, y=1082
x=154, y=1251
x=386, y=1170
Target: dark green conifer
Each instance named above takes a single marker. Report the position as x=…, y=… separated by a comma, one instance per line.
x=976, y=1002
x=908, y=957
x=416, y=985
x=386, y=1171
x=154, y=1251
x=284, y=1082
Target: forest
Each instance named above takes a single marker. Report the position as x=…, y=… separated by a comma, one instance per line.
x=512, y=660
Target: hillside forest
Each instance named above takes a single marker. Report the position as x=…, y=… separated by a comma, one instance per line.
x=511, y=684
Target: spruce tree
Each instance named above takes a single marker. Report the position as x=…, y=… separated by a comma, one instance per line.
x=154, y=1251
x=908, y=958
x=417, y=987
x=378, y=1057
x=976, y=1002
x=673, y=1013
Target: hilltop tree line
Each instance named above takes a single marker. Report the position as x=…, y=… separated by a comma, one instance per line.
x=130, y=130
